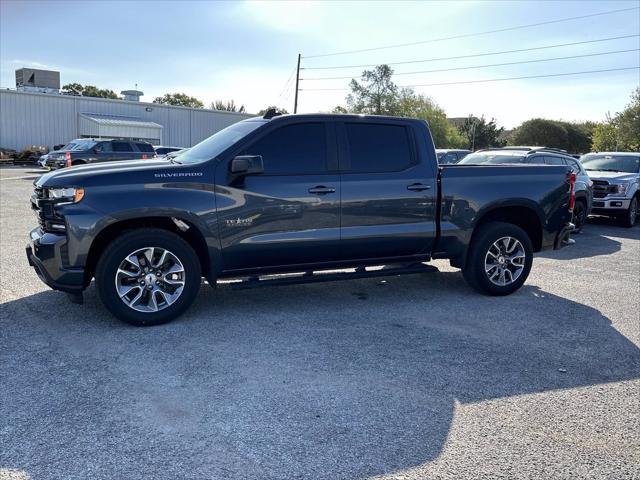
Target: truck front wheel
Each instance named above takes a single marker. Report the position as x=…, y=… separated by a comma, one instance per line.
x=499, y=259
x=630, y=216
x=148, y=277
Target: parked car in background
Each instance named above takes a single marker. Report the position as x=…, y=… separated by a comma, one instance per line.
x=161, y=150
x=43, y=161
x=543, y=156
x=616, y=179
x=86, y=150
x=292, y=193
x=448, y=156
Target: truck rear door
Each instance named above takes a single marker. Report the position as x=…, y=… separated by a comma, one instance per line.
x=388, y=190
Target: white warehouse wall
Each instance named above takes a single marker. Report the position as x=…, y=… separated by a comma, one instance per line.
x=28, y=118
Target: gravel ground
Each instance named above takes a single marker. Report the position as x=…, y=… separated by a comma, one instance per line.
x=415, y=377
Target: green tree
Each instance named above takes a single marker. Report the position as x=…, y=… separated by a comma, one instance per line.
x=579, y=136
x=179, y=99
x=264, y=110
x=229, y=106
x=413, y=105
x=605, y=136
x=88, y=91
x=376, y=93
x=628, y=124
x=541, y=132
x=479, y=133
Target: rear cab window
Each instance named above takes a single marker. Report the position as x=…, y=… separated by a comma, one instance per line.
x=377, y=147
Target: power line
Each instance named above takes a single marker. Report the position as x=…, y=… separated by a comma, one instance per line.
x=476, y=54
x=491, y=79
x=287, y=85
x=488, y=65
x=466, y=35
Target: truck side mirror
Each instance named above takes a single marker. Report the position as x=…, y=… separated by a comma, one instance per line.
x=247, y=165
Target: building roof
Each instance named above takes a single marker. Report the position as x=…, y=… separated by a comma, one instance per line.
x=119, y=121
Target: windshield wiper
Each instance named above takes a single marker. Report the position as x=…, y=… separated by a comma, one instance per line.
x=603, y=170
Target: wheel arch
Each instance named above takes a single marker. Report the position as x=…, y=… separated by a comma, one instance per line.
x=181, y=227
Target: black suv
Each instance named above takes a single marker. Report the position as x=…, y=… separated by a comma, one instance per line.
x=86, y=150
x=543, y=156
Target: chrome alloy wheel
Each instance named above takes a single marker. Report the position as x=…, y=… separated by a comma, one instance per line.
x=504, y=261
x=150, y=279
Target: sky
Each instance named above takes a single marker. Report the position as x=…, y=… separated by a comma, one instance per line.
x=247, y=51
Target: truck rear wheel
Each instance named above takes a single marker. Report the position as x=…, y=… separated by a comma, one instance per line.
x=148, y=277
x=499, y=259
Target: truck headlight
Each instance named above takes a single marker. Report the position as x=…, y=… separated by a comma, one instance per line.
x=621, y=188
x=67, y=194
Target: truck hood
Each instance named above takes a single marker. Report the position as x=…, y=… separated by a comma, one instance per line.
x=616, y=176
x=120, y=172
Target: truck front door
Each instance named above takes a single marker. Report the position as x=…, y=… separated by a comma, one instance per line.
x=388, y=190
x=290, y=214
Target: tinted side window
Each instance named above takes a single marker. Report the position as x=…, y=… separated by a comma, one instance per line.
x=536, y=159
x=554, y=160
x=294, y=149
x=121, y=147
x=145, y=147
x=450, y=158
x=102, y=147
x=377, y=147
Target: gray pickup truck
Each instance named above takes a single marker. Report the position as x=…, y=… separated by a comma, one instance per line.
x=291, y=193
x=616, y=184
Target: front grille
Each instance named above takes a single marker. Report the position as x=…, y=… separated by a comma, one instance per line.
x=44, y=211
x=601, y=188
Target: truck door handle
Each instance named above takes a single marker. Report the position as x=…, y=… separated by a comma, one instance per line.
x=418, y=187
x=321, y=190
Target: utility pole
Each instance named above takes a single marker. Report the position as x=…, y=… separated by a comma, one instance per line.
x=295, y=102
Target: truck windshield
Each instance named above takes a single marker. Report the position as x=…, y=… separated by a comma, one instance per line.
x=611, y=163
x=218, y=142
x=492, y=158
x=84, y=145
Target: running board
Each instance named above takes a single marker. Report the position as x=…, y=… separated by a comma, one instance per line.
x=324, y=276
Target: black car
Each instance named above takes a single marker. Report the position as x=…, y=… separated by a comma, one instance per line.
x=87, y=150
x=291, y=193
x=543, y=156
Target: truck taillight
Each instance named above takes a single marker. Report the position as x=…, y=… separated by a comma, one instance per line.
x=67, y=155
x=572, y=192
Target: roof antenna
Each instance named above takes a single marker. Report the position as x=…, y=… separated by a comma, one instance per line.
x=270, y=113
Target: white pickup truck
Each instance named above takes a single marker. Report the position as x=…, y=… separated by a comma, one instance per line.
x=616, y=184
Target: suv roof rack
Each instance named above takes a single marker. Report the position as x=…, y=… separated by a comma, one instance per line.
x=270, y=113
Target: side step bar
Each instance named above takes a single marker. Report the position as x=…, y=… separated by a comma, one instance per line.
x=324, y=276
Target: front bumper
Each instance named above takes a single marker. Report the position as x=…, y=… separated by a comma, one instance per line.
x=610, y=206
x=46, y=253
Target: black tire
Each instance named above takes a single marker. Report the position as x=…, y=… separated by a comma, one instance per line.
x=130, y=241
x=483, y=239
x=629, y=219
x=579, y=215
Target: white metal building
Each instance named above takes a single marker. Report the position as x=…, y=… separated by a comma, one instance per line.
x=43, y=119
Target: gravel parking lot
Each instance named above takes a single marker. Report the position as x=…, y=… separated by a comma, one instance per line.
x=412, y=377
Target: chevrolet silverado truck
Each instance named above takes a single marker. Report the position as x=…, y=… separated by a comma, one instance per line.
x=616, y=184
x=307, y=194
